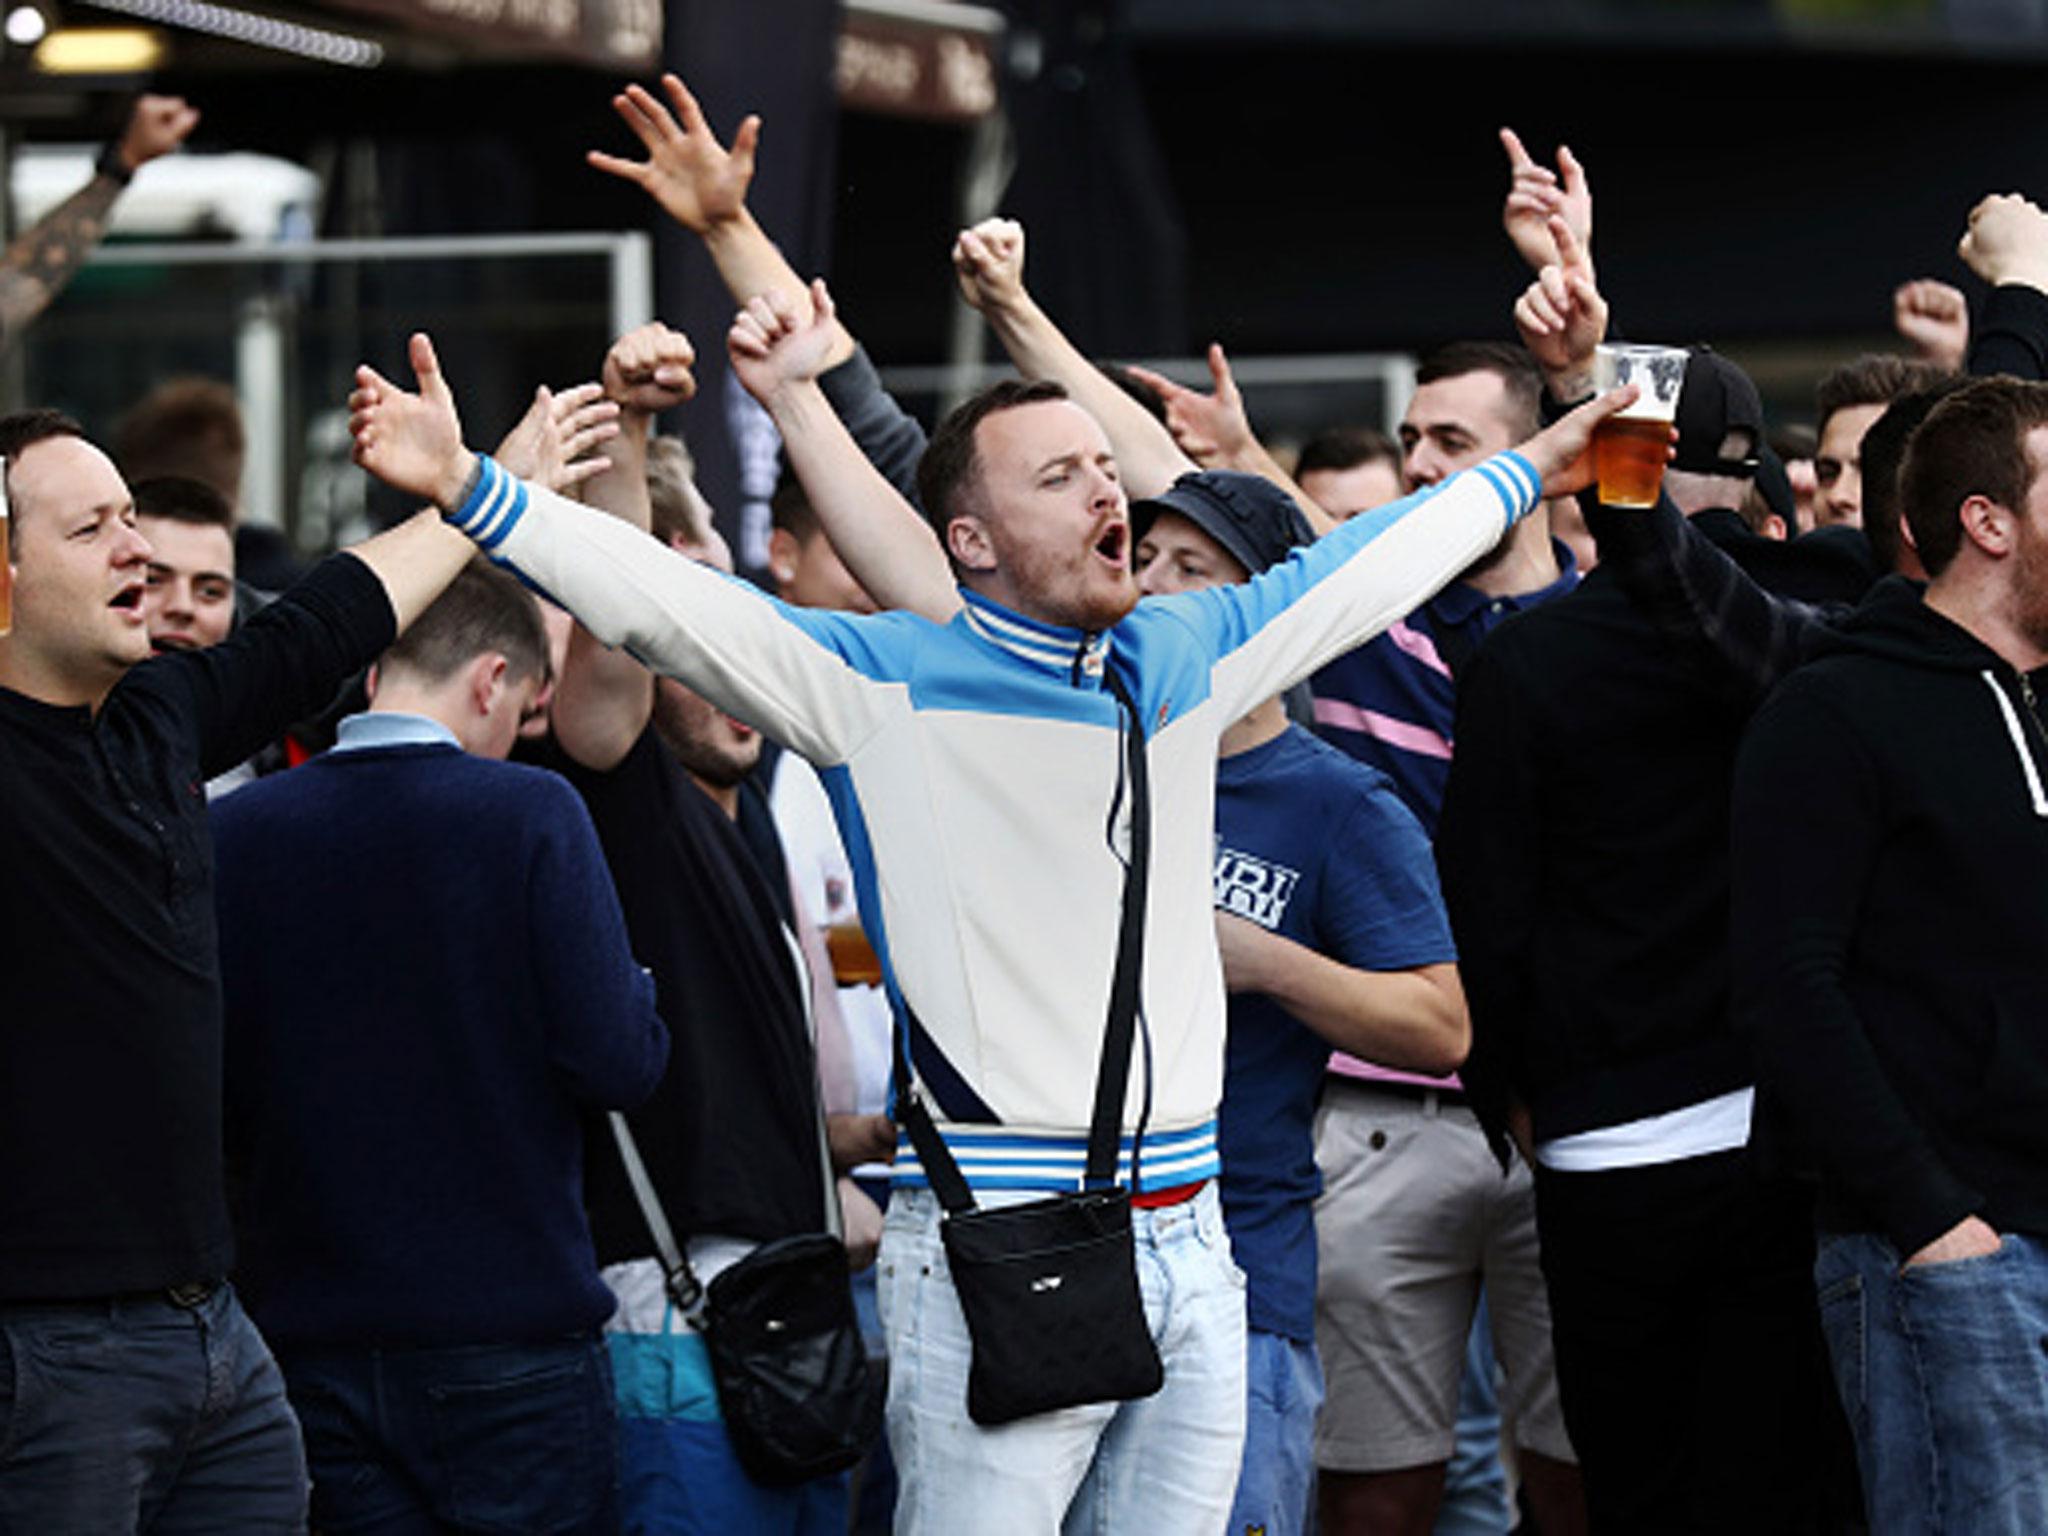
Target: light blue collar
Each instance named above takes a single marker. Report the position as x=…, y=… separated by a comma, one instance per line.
x=392, y=728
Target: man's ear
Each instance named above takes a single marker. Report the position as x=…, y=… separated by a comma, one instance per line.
x=486, y=681
x=1987, y=525
x=782, y=553
x=373, y=680
x=967, y=541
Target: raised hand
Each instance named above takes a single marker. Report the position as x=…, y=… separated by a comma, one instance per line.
x=1562, y=452
x=1537, y=194
x=551, y=444
x=2007, y=241
x=989, y=261
x=696, y=179
x=156, y=126
x=412, y=442
x=774, y=346
x=647, y=370
x=1562, y=317
x=1935, y=318
x=1211, y=429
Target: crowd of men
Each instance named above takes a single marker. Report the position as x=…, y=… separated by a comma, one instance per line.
x=1591, y=964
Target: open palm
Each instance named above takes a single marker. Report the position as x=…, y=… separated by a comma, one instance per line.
x=412, y=442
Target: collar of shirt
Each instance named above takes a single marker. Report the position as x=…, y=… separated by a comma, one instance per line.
x=1051, y=647
x=391, y=728
x=1458, y=602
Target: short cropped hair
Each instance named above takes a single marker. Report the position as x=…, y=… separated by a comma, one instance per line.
x=680, y=512
x=483, y=610
x=179, y=499
x=1974, y=443
x=1513, y=366
x=790, y=508
x=949, y=474
x=22, y=430
x=185, y=426
x=1341, y=448
x=1876, y=378
x=1883, y=453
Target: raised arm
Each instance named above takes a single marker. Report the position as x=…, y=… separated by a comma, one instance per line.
x=1688, y=588
x=2006, y=244
x=817, y=682
x=989, y=261
x=1536, y=195
x=702, y=185
x=1215, y=432
x=604, y=697
x=44, y=258
x=1327, y=597
x=889, y=548
x=1934, y=318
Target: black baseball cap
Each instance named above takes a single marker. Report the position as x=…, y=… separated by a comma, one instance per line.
x=1250, y=516
x=1718, y=398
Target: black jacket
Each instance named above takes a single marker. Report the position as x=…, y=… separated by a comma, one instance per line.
x=1890, y=930
x=1583, y=849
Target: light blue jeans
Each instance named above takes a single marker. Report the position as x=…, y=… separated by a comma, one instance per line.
x=1944, y=1378
x=1276, y=1483
x=1162, y=1463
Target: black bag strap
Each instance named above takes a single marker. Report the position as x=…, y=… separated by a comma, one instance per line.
x=1113, y=1072
x=678, y=1278
x=1113, y=1075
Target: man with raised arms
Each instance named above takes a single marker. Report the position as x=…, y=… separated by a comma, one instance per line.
x=975, y=770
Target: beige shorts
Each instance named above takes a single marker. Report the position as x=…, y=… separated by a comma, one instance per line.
x=1414, y=1214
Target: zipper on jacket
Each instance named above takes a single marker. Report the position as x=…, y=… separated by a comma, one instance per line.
x=2017, y=731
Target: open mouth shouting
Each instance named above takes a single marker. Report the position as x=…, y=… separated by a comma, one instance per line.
x=128, y=602
x=1115, y=544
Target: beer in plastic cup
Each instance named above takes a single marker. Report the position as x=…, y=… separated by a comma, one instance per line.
x=6, y=571
x=854, y=961
x=1630, y=449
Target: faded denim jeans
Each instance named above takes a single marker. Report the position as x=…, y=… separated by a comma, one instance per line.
x=1943, y=1371
x=1168, y=1462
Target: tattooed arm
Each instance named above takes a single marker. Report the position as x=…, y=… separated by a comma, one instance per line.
x=36, y=267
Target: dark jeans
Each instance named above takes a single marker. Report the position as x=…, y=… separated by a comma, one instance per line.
x=138, y=1414
x=1689, y=1355
x=484, y=1438
x=1943, y=1371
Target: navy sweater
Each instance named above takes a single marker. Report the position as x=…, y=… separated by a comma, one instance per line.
x=427, y=981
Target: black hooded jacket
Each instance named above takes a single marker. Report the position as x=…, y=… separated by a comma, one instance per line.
x=1890, y=922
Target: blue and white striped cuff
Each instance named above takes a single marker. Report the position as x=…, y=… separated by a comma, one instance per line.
x=493, y=507
x=1516, y=482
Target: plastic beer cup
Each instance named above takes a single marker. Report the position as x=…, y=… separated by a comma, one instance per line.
x=1630, y=449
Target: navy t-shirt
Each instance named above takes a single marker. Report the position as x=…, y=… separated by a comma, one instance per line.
x=1320, y=849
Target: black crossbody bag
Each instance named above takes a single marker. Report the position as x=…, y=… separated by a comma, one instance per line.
x=798, y=1394
x=1050, y=1288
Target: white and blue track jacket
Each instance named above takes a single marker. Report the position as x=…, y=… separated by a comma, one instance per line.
x=973, y=767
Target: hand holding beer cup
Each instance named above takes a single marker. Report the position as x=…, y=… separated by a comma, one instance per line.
x=1631, y=447
x=1562, y=452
